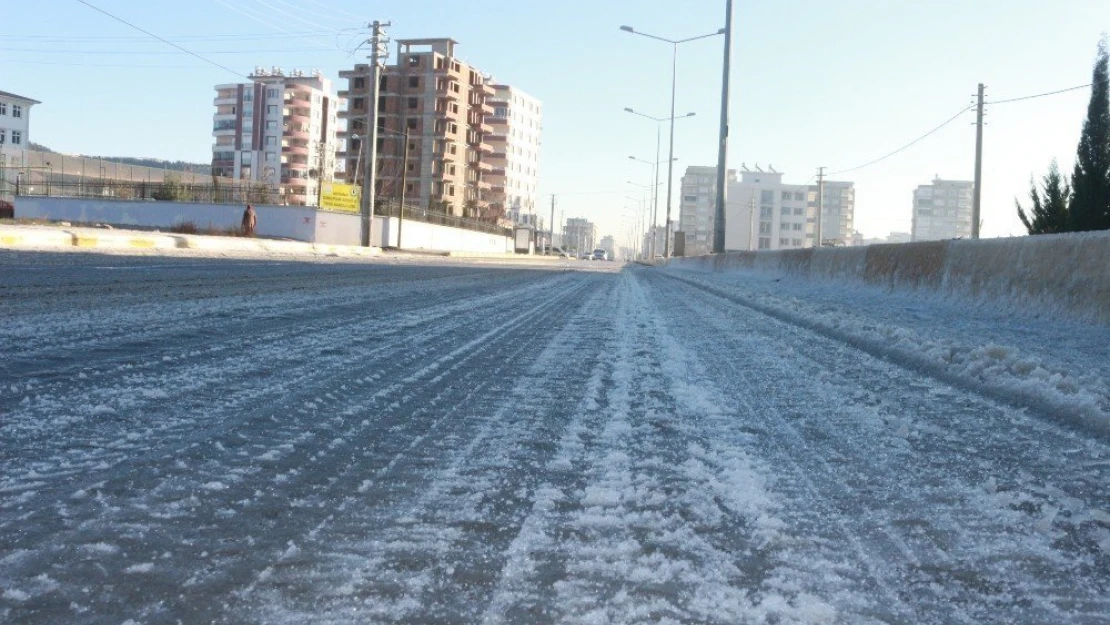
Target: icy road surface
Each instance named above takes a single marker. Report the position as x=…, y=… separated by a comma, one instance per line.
x=221, y=441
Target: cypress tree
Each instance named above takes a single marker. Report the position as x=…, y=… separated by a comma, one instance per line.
x=1090, y=202
x=1049, y=213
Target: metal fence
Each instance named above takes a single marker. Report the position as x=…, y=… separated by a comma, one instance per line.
x=39, y=166
x=390, y=208
x=173, y=190
x=170, y=190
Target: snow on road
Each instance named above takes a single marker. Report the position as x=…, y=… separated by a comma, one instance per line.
x=273, y=442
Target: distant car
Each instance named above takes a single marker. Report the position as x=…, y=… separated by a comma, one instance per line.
x=600, y=254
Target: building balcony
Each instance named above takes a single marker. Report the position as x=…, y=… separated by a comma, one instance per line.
x=447, y=93
x=297, y=116
x=226, y=101
x=295, y=149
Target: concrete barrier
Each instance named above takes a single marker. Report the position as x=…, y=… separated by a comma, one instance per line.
x=1066, y=273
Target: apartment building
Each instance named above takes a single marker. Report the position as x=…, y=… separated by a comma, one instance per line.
x=657, y=236
x=15, y=126
x=517, y=123
x=942, y=210
x=698, y=206
x=839, y=214
x=443, y=105
x=278, y=130
x=580, y=234
x=764, y=213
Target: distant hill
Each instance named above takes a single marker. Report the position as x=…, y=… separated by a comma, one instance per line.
x=196, y=168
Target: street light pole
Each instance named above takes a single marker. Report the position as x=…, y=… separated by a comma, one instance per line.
x=670, y=156
x=674, y=83
x=722, y=149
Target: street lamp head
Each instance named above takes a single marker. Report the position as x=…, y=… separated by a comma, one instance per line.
x=722, y=31
x=690, y=114
x=627, y=29
x=633, y=158
x=628, y=110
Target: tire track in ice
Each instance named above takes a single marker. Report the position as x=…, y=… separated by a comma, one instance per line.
x=431, y=556
x=891, y=451
x=231, y=488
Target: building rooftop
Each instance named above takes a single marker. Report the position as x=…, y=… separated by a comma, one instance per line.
x=19, y=97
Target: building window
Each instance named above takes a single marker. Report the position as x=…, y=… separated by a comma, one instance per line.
x=246, y=158
x=271, y=93
x=414, y=82
x=271, y=140
x=3, y=108
x=358, y=103
x=272, y=109
x=764, y=243
x=17, y=110
x=414, y=61
x=17, y=137
x=411, y=123
x=766, y=197
x=3, y=136
x=271, y=157
x=360, y=83
x=271, y=124
x=412, y=103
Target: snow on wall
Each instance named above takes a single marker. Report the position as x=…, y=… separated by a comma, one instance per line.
x=1068, y=273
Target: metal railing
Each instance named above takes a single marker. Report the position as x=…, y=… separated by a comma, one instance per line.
x=388, y=207
x=169, y=190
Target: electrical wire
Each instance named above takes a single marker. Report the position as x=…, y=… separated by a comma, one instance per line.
x=124, y=38
x=905, y=147
x=165, y=41
x=1040, y=95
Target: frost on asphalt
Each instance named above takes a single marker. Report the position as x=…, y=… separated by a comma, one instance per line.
x=275, y=442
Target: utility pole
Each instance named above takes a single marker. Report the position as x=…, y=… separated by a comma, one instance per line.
x=820, y=203
x=551, y=228
x=722, y=150
x=751, y=210
x=977, y=193
x=404, y=184
x=378, y=52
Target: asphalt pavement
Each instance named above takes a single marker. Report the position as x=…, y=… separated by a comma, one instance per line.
x=378, y=441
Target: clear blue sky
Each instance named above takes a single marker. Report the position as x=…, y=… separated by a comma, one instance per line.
x=814, y=83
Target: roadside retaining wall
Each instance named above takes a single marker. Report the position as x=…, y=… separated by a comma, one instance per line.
x=1069, y=273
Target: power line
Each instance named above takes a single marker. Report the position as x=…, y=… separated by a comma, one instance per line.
x=164, y=52
x=165, y=41
x=210, y=37
x=908, y=145
x=1040, y=95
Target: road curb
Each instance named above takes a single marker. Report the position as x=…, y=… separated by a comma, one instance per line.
x=14, y=237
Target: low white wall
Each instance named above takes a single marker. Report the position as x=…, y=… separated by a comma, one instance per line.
x=1068, y=273
x=418, y=235
x=301, y=223
x=292, y=222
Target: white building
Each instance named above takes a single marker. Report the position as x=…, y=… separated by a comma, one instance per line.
x=278, y=130
x=579, y=235
x=764, y=213
x=517, y=123
x=696, y=217
x=15, y=126
x=942, y=210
